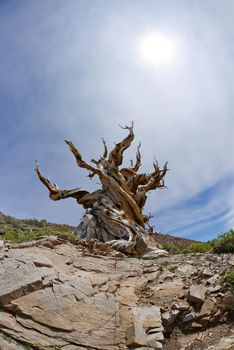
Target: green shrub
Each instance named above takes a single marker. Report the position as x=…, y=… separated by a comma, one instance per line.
x=9, y=220
x=198, y=247
x=195, y=247
x=172, y=248
x=224, y=243
x=71, y=236
x=228, y=278
x=35, y=222
x=18, y=237
x=164, y=264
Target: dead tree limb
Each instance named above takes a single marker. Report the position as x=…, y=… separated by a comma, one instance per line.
x=114, y=213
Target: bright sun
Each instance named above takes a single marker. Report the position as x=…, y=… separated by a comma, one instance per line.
x=156, y=49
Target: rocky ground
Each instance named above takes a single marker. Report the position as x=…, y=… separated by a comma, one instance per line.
x=57, y=295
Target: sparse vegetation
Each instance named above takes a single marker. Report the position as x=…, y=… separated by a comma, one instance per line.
x=224, y=243
x=172, y=248
x=195, y=247
x=199, y=276
x=17, y=231
x=228, y=277
x=164, y=264
x=198, y=247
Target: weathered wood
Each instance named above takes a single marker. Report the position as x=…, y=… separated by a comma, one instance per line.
x=114, y=213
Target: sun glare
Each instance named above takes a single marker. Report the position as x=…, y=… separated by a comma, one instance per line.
x=157, y=49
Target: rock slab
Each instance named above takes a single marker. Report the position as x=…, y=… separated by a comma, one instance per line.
x=69, y=298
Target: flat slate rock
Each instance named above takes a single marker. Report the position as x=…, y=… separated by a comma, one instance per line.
x=64, y=297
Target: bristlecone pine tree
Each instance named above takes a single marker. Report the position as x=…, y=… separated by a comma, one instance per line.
x=114, y=213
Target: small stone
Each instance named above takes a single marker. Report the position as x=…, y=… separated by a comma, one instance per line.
x=196, y=325
x=189, y=317
x=231, y=261
x=212, y=280
x=2, y=257
x=166, y=317
x=166, y=275
x=211, y=257
x=152, y=276
x=197, y=293
x=175, y=312
x=169, y=317
x=206, y=320
x=187, y=269
x=180, y=306
x=207, y=273
x=207, y=308
x=113, y=286
x=214, y=289
x=104, y=288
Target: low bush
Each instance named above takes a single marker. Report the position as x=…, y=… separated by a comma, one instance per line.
x=35, y=222
x=198, y=247
x=18, y=237
x=228, y=278
x=224, y=243
x=172, y=248
x=195, y=247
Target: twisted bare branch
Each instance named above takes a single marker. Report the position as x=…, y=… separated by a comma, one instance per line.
x=80, y=162
x=137, y=165
x=56, y=194
x=116, y=155
x=152, y=181
x=105, y=148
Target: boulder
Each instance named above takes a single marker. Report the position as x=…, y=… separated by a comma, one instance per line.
x=196, y=293
x=146, y=328
x=207, y=308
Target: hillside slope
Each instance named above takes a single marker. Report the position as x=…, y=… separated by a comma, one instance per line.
x=16, y=230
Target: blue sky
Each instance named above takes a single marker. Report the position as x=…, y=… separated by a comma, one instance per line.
x=73, y=70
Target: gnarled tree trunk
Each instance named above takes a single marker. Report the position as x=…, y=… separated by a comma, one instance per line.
x=114, y=213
